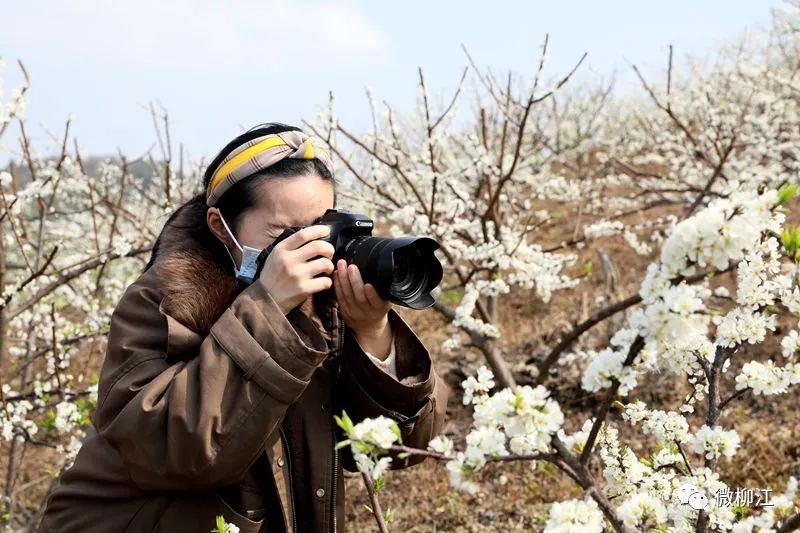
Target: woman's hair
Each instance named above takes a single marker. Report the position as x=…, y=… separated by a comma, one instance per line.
x=243, y=194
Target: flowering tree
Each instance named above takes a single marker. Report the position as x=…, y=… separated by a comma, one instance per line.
x=681, y=332
x=474, y=191
x=71, y=243
x=538, y=174
x=711, y=161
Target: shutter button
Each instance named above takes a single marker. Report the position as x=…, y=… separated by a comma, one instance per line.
x=320, y=493
x=280, y=461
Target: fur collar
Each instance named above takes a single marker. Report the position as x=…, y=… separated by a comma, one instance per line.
x=196, y=282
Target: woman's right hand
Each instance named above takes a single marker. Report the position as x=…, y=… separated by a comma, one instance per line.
x=289, y=273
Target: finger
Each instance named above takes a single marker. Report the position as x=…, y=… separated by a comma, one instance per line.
x=313, y=249
x=373, y=296
x=337, y=287
x=300, y=237
x=341, y=266
x=358, y=284
x=338, y=266
x=318, y=284
x=347, y=288
x=323, y=265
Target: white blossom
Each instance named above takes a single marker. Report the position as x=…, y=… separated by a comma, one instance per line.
x=380, y=431
x=480, y=384
x=574, y=516
x=715, y=442
x=642, y=509
x=766, y=378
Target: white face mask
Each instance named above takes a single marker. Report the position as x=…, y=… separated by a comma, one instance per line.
x=247, y=272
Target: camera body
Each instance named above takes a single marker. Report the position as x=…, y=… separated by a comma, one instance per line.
x=344, y=227
x=403, y=269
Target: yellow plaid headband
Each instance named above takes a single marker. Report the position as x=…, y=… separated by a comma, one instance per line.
x=259, y=153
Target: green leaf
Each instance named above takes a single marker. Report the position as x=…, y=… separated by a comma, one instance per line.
x=221, y=527
x=786, y=193
x=789, y=240
x=361, y=446
x=740, y=511
x=48, y=422
x=453, y=296
x=85, y=408
x=345, y=423
x=673, y=447
x=518, y=401
x=343, y=443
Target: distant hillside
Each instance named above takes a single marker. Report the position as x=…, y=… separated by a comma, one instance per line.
x=142, y=170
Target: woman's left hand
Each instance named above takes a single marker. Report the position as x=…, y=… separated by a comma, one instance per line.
x=362, y=308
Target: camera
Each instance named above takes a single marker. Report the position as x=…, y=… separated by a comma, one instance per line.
x=403, y=270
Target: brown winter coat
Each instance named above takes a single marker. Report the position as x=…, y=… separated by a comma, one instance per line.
x=213, y=402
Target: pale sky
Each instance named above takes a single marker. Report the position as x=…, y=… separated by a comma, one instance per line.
x=222, y=66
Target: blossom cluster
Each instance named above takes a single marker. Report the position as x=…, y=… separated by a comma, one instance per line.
x=674, y=323
x=570, y=516
x=519, y=422
x=368, y=440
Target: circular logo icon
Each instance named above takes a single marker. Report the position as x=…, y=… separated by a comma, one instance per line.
x=690, y=495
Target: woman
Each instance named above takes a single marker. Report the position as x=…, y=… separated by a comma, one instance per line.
x=218, y=391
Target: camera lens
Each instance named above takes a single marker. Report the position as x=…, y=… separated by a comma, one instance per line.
x=401, y=273
x=403, y=269
x=405, y=279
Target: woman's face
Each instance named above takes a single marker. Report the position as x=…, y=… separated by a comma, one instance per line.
x=281, y=202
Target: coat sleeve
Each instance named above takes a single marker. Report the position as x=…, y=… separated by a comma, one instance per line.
x=416, y=398
x=201, y=421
